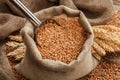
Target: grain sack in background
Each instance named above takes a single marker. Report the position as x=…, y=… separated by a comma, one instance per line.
x=34, y=67
x=96, y=11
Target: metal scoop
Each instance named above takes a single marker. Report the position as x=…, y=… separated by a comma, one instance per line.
x=29, y=15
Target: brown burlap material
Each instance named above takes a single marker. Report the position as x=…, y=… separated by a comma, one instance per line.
x=46, y=69
x=5, y=69
x=97, y=11
x=9, y=24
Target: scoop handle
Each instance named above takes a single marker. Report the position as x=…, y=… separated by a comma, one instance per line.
x=28, y=14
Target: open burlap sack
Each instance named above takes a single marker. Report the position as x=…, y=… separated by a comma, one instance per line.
x=10, y=21
x=34, y=67
x=5, y=68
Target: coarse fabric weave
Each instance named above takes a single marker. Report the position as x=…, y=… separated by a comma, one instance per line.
x=5, y=68
x=96, y=11
x=34, y=67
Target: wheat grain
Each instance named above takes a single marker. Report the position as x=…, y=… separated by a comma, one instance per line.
x=102, y=34
x=61, y=42
x=98, y=49
x=17, y=38
x=110, y=28
x=104, y=45
x=94, y=53
x=113, y=45
x=108, y=37
x=18, y=53
x=14, y=44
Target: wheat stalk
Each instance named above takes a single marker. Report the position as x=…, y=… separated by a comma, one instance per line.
x=103, y=34
x=94, y=53
x=17, y=38
x=107, y=37
x=113, y=45
x=104, y=45
x=110, y=28
x=18, y=53
x=99, y=49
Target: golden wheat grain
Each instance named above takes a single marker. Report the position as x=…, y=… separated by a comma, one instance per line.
x=99, y=49
x=102, y=34
x=104, y=45
x=94, y=53
x=17, y=38
x=18, y=53
x=14, y=44
x=99, y=30
x=115, y=34
x=110, y=28
x=113, y=45
x=110, y=38
x=114, y=39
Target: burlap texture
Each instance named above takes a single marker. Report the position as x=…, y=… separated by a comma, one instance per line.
x=11, y=20
x=97, y=11
x=5, y=68
x=9, y=24
x=34, y=67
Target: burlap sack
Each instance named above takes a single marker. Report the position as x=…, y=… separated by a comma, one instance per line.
x=97, y=11
x=32, y=5
x=9, y=24
x=34, y=67
x=5, y=68
x=116, y=4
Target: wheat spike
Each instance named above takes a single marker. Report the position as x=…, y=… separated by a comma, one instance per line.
x=17, y=38
x=99, y=49
x=114, y=39
x=18, y=53
x=108, y=37
x=14, y=44
x=104, y=45
x=94, y=53
x=99, y=30
x=115, y=34
x=103, y=34
x=110, y=28
x=113, y=45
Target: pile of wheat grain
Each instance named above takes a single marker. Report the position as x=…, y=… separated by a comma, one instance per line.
x=61, y=42
x=104, y=71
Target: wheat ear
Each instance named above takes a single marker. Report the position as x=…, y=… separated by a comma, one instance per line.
x=98, y=49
